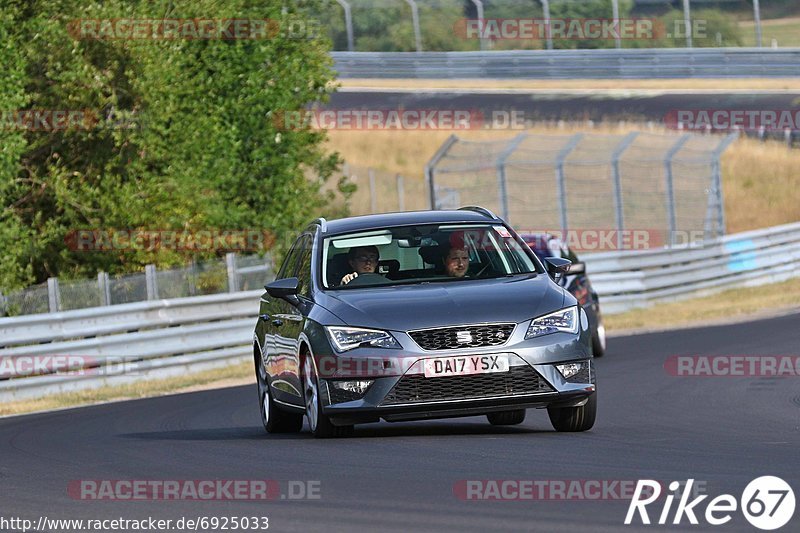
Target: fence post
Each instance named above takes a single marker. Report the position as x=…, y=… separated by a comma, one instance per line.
x=415, y=21
x=430, y=167
x=3, y=304
x=103, y=287
x=757, y=20
x=151, y=282
x=481, y=22
x=401, y=194
x=502, y=186
x=615, y=17
x=348, y=22
x=687, y=21
x=373, y=200
x=716, y=183
x=615, y=156
x=233, y=277
x=53, y=295
x=562, y=186
x=548, y=29
x=671, y=217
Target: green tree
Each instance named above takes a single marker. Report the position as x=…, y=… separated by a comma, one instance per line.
x=200, y=146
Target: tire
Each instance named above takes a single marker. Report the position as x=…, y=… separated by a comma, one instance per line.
x=319, y=424
x=574, y=418
x=273, y=418
x=599, y=337
x=507, y=418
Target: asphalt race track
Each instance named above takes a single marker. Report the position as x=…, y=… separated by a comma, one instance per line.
x=568, y=105
x=722, y=431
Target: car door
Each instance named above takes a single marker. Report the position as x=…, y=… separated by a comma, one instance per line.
x=288, y=322
x=269, y=308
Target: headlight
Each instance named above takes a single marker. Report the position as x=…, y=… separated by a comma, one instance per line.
x=565, y=320
x=348, y=338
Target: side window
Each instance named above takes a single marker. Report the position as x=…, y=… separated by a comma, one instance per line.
x=289, y=265
x=303, y=271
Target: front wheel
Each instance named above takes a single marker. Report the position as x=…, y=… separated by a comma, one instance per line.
x=319, y=424
x=272, y=417
x=574, y=418
x=599, y=338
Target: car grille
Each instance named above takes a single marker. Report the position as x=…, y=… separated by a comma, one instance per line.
x=519, y=380
x=455, y=337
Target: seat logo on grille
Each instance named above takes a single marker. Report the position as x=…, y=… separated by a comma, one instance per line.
x=463, y=337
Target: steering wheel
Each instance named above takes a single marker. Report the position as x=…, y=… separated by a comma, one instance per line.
x=481, y=271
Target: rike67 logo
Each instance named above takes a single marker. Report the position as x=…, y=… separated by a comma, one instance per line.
x=767, y=503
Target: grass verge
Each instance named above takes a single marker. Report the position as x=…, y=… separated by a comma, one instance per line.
x=786, y=31
x=730, y=304
x=210, y=379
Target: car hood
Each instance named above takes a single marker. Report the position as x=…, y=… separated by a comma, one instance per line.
x=408, y=307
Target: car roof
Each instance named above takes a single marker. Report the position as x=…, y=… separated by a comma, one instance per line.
x=407, y=218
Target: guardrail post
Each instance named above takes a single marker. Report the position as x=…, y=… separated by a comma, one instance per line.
x=104, y=288
x=53, y=295
x=562, y=186
x=348, y=22
x=151, y=282
x=373, y=199
x=415, y=21
x=670, y=189
x=430, y=168
x=401, y=194
x=615, y=157
x=233, y=277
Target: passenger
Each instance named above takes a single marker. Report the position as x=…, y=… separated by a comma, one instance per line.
x=363, y=260
x=456, y=262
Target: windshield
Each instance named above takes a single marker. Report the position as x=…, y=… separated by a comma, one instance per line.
x=423, y=254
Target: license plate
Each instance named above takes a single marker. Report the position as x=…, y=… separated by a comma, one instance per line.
x=465, y=365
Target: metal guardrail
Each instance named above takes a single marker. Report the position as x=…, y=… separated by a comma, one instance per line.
x=634, y=279
x=558, y=64
x=172, y=337
x=124, y=343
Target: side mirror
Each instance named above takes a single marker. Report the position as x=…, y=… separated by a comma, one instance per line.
x=283, y=288
x=578, y=268
x=557, y=267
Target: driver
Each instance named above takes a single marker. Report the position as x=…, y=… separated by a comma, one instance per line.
x=456, y=261
x=363, y=260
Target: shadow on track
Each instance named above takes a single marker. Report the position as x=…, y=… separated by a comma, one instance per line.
x=381, y=430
